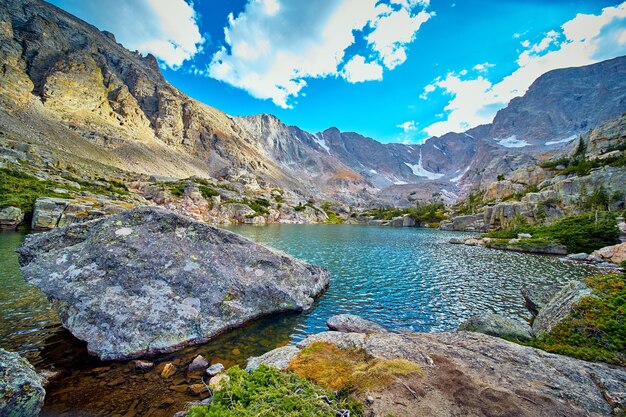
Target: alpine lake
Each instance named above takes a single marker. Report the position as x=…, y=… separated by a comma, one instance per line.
x=407, y=279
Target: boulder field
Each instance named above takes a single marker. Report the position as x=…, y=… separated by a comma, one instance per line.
x=148, y=281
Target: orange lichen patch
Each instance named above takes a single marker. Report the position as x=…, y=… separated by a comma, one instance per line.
x=350, y=369
x=124, y=204
x=85, y=200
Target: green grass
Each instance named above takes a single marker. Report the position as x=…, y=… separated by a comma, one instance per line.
x=333, y=218
x=115, y=187
x=270, y=392
x=579, y=233
x=596, y=329
x=207, y=192
x=19, y=189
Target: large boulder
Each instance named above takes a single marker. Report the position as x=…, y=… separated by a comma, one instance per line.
x=559, y=307
x=500, y=190
x=237, y=211
x=352, y=323
x=470, y=223
x=10, y=218
x=21, y=388
x=47, y=212
x=497, y=325
x=615, y=254
x=472, y=374
x=148, y=281
x=50, y=213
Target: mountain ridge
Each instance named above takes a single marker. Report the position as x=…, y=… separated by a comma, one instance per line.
x=115, y=107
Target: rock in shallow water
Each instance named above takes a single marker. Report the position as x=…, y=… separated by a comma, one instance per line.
x=497, y=325
x=148, y=281
x=214, y=369
x=351, y=323
x=21, y=389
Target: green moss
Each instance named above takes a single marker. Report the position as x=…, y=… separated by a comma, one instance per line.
x=270, y=392
x=207, y=192
x=262, y=202
x=119, y=186
x=114, y=186
x=19, y=189
x=177, y=189
x=201, y=181
x=333, y=218
x=596, y=329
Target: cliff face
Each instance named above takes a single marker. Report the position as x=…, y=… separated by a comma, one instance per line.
x=563, y=103
x=61, y=74
x=73, y=88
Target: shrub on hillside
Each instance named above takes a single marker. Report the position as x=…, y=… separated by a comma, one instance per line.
x=583, y=232
x=595, y=330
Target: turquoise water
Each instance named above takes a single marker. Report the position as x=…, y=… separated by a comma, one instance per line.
x=403, y=278
x=410, y=278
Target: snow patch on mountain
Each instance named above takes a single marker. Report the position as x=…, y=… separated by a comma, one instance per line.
x=420, y=171
x=322, y=143
x=556, y=142
x=458, y=177
x=512, y=142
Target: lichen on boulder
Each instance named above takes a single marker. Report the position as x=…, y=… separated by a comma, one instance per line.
x=148, y=281
x=21, y=388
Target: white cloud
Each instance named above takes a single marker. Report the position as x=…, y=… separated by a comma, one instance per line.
x=584, y=40
x=166, y=29
x=358, y=71
x=274, y=46
x=484, y=67
x=392, y=32
x=427, y=90
x=408, y=126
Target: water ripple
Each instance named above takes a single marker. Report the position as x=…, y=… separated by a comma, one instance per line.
x=411, y=278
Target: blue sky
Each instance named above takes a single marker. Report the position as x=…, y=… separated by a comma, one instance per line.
x=394, y=70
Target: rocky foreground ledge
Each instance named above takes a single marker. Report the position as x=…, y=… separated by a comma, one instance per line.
x=469, y=373
x=149, y=281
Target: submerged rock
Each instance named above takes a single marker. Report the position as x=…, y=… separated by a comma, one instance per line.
x=497, y=325
x=198, y=363
x=21, y=388
x=148, y=281
x=215, y=369
x=351, y=323
x=468, y=373
x=168, y=370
